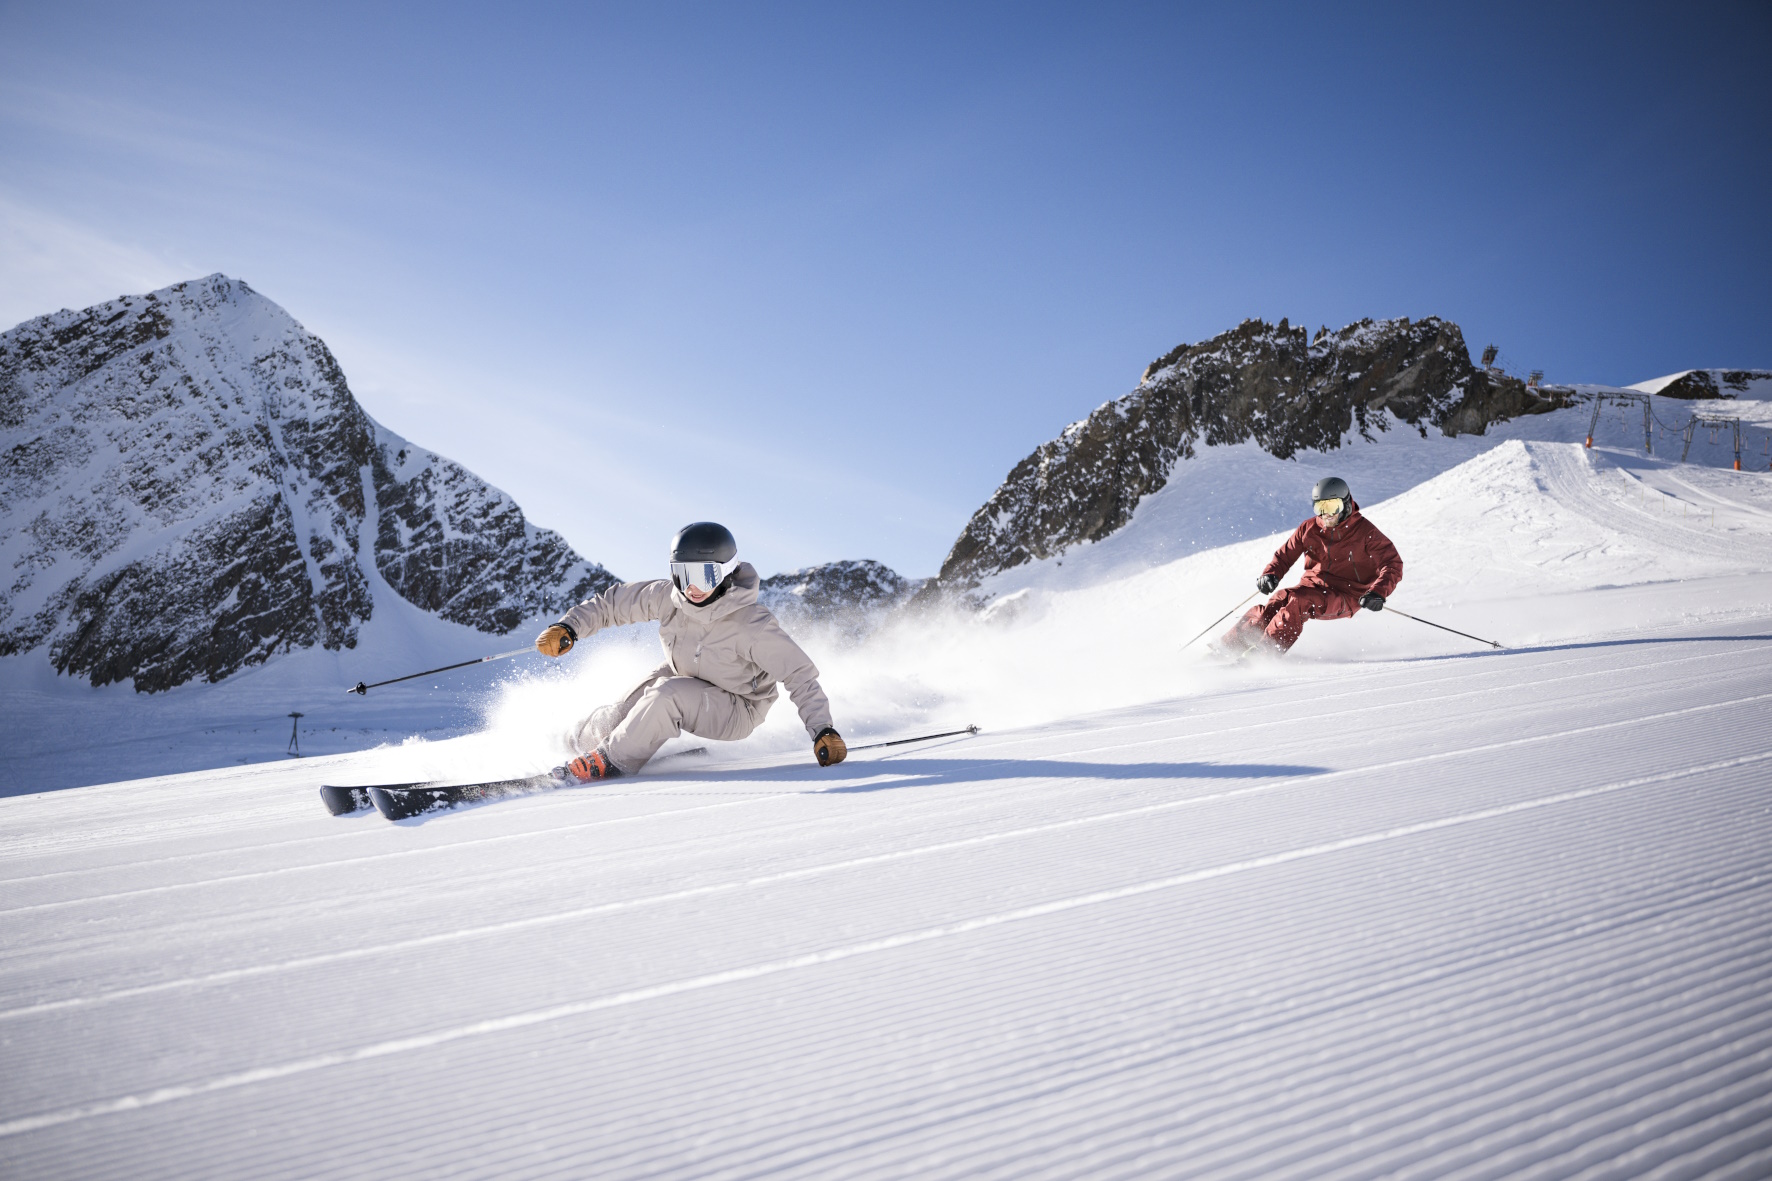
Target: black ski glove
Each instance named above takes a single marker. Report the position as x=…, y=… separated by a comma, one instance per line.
x=1266, y=584
x=1373, y=601
x=829, y=747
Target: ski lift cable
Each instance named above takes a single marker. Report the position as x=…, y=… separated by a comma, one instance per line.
x=1713, y=423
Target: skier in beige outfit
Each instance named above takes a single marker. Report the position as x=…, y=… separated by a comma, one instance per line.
x=725, y=654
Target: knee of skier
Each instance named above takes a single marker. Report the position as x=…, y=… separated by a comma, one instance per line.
x=582, y=737
x=674, y=698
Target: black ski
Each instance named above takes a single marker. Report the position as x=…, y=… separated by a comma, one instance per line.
x=400, y=800
x=397, y=801
x=341, y=801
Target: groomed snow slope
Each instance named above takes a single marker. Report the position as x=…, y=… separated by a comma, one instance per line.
x=1396, y=906
x=1497, y=915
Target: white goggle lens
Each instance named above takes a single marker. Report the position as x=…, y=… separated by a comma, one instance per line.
x=705, y=577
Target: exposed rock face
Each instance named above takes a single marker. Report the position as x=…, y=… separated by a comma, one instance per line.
x=851, y=598
x=187, y=487
x=1718, y=383
x=1270, y=383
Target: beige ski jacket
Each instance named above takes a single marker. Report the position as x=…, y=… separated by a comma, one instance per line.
x=733, y=642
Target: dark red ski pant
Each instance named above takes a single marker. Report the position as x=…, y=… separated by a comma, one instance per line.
x=1282, y=617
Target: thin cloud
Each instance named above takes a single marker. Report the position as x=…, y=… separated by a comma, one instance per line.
x=49, y=262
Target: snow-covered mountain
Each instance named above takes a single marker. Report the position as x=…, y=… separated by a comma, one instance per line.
x=188, y=487
x=1711, y=383
x=1272, y=385
x=851, y=598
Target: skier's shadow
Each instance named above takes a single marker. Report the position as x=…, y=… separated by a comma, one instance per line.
x=925, y=772
x=1641, y=641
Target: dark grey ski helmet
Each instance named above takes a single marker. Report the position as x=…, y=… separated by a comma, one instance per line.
x=703, y=558
x=1334, y=488
x=704, y=541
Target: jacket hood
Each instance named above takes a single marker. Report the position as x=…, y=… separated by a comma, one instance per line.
x=740, y=593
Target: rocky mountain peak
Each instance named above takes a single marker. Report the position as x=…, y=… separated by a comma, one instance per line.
x=1699, y=384
x=1279, y=386
x=850, y=598
x=188, y=487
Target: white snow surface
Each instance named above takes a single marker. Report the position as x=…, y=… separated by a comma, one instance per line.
x=1400, y=905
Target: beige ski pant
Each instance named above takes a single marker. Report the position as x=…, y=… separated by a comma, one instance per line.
x=631, y=730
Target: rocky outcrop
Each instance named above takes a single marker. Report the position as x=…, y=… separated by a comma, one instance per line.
x=850, y=598
x=1718, y=383
x=1273, y=384
x=187, y=487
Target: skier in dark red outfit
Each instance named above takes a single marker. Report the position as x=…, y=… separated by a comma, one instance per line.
x=1348, y=564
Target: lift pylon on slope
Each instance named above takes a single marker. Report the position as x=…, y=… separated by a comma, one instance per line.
x=1715, y=423
x=1648, y=415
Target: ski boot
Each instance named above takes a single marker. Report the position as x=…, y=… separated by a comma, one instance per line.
x=585, y=769
x=1242, y=647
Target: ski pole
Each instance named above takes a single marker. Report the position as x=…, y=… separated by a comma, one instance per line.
x=360, y=688
x=1441, y=626
x=1219, y=620
x=924, y=738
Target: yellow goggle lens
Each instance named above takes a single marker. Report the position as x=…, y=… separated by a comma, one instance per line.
x=1329, y=508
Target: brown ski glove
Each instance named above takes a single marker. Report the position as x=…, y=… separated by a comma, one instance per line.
x=556, y=641
x=829, y=747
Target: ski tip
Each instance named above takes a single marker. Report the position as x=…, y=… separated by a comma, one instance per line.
x=342, y=801
x=403, y=803
x=399, y=804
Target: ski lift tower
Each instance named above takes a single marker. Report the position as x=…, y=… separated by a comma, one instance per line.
x=1489, y=355
x=1715, y=424
x=1648, y=415
x=294, y=737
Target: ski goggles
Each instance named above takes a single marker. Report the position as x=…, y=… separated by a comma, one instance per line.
x=704, y=577
x=1329, y=508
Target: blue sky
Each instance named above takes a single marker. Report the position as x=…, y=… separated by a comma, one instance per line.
x=826, y=272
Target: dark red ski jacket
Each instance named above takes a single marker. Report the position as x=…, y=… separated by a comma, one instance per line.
x=1351, y=558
